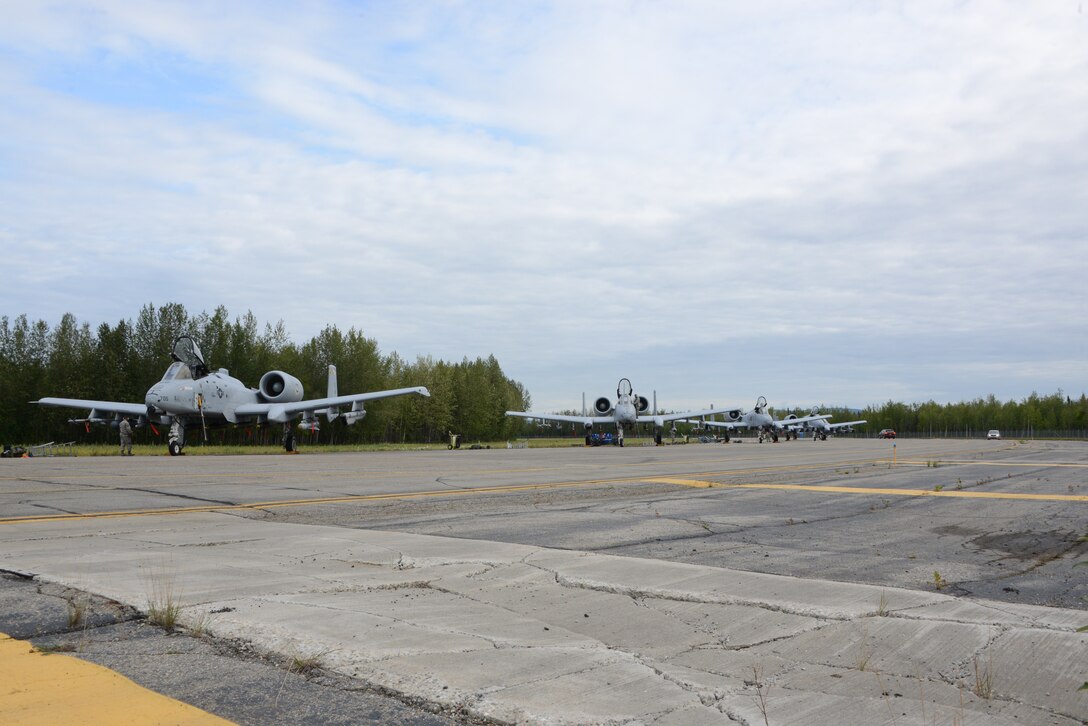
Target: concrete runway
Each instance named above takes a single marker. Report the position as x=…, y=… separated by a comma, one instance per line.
x=678, y=584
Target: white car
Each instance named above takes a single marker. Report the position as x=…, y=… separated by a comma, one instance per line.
x=993, y=434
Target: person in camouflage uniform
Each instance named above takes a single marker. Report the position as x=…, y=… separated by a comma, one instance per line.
x=126, y=437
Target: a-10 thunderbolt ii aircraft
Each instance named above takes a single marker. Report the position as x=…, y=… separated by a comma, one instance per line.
x=628, y=409
x=759, y=420
x=190, y=395
x=821, y=427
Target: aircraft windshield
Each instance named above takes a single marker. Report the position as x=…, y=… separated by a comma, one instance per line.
x=177, y=371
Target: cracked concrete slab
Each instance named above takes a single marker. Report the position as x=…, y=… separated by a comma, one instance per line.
x=518, y=633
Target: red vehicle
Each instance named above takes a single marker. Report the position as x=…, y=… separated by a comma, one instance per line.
x=886, y=434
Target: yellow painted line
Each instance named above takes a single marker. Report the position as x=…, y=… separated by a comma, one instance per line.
x=875, y=490
x=315, y=500
x=1028, y=464
x=49, y=688
x=555, y=485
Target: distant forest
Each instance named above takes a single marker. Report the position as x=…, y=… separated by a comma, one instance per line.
x=1056, y=416
x=120, y=362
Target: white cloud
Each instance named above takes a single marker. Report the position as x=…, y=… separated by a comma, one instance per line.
x=585, y=190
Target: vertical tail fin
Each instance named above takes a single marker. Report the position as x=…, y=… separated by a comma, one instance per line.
x=333, y=411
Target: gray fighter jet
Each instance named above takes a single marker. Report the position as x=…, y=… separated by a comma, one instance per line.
x=759, y=420
x=190, y=395
x=821, y=427
x=629, y=409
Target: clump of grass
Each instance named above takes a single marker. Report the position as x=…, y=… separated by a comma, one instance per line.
x=984, y=678
x=938, y=487
x=865, y=651
x=77, y=611
x=882, y=606
x=163, y=605
x=307, y=665
x=938, y=581
x=198, y=624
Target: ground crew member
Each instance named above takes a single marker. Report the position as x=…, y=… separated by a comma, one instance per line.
x=126, y=437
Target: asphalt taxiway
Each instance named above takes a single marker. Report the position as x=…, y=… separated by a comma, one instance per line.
x=809, y=582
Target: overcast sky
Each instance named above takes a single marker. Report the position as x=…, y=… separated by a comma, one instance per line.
x=818, y=202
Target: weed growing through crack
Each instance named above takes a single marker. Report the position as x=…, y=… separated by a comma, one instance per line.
x=938, y=487
x=938, y=581
x=761, y=691
x=199, y=623
x=305, y=665
x=984, y=677
x=865, y=651
x=882, y=606
x=163, y=604
x=77, y=611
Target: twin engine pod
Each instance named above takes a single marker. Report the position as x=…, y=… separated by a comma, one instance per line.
x=734, y=415
x=603, y=406
x=280, y=387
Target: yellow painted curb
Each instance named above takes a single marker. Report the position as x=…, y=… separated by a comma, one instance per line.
x=49, y=688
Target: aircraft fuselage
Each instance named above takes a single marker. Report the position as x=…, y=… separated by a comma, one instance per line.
x=216, y=394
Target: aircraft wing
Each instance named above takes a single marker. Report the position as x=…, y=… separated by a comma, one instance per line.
x=717, y=424
x=800, y=420
x=96, y=408
x=662, y=417
x=283, y=412
x=584, y=420
x=846, y=423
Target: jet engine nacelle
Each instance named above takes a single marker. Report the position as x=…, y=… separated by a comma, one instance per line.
x=734, y=415
x=643, y=404
x=791, y=417
x=280, y=387
x=602, y=406
x=357, y=413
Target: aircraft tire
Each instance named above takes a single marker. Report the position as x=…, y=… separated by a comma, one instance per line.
x=174, y=448
x=289, y=442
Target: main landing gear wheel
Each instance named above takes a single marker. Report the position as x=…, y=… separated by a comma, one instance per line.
x=174, y=448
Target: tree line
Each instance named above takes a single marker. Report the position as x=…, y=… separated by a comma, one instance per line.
x=120, y=362
x=1056, y=414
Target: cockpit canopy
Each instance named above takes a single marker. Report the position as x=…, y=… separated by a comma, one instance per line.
x=188, y=352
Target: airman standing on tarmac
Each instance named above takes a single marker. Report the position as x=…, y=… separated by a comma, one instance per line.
x=126, y=437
